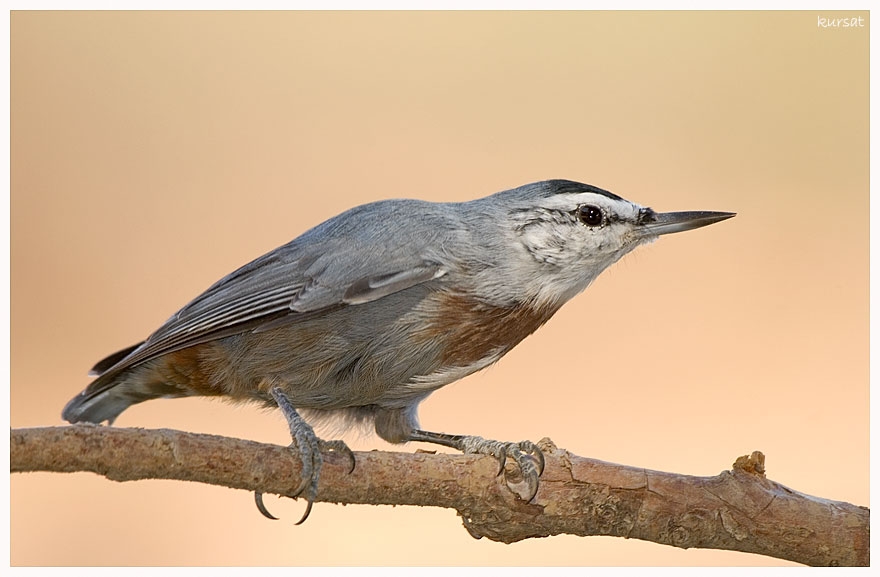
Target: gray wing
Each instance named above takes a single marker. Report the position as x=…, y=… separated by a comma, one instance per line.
x=352, y=259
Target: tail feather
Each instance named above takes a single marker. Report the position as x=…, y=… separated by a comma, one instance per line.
x=109, y=395
x=107, y=362
x=95, y=408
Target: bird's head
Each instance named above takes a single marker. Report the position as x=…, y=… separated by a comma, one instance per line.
x=566, y=233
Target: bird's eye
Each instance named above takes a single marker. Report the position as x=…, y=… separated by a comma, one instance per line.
x=590, y=215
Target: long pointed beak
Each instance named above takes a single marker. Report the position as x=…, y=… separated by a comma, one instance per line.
x=669, y=222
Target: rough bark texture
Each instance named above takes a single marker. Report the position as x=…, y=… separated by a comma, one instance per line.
x=738, y=510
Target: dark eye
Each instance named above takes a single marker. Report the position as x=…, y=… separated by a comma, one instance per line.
x=590, y=215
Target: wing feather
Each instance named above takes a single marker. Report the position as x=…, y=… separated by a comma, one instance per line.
x=325, y=268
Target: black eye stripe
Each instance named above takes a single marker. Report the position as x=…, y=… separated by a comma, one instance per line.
x=590, y=215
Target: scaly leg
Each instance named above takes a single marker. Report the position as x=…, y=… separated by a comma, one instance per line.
x=526, y=454
x=310, y=447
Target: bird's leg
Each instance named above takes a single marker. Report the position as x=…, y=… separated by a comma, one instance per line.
x=310, y=447
x=525, y=454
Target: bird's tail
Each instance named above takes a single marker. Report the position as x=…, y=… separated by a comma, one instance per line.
x=116, y=389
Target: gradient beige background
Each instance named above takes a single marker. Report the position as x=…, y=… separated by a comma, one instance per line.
x=152, y=153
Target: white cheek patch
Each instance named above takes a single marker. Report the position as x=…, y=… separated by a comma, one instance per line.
x=544, y=243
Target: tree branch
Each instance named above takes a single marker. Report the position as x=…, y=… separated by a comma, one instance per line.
x=738, y=510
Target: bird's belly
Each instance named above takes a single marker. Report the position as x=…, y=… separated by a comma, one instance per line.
x=336, y=361
x=389, y=353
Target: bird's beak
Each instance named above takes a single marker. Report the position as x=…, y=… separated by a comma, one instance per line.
x=669, y=222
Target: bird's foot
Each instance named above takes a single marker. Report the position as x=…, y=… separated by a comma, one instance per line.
x=527, y=456
x=309, y=447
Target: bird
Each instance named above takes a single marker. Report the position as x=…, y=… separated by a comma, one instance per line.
x=362, y=317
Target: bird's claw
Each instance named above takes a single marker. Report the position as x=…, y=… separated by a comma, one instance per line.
x=341, y=448
x=309, y=448
x=532, y=450
x=528, y=457
x=312, y=462
x=310, y=481
x=258, y=498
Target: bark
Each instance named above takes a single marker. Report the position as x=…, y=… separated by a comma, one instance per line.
x=739, y=509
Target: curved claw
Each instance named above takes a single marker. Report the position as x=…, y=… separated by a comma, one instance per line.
x=533, y=490
x=258, y=497
x=311, y=467
x=309, y=447
x=306, y=514
x=529, y=473
x=501, y=455
x=340, y=447
x=540, y=455
x=533, y=450
x=519, y=451
x=306, y=480
x=527, y=455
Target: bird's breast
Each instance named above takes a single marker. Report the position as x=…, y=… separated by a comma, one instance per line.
x=469, y=331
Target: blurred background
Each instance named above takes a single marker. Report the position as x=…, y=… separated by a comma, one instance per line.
x=152, y=153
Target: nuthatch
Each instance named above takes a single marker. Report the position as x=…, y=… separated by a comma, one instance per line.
x=365, y=315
